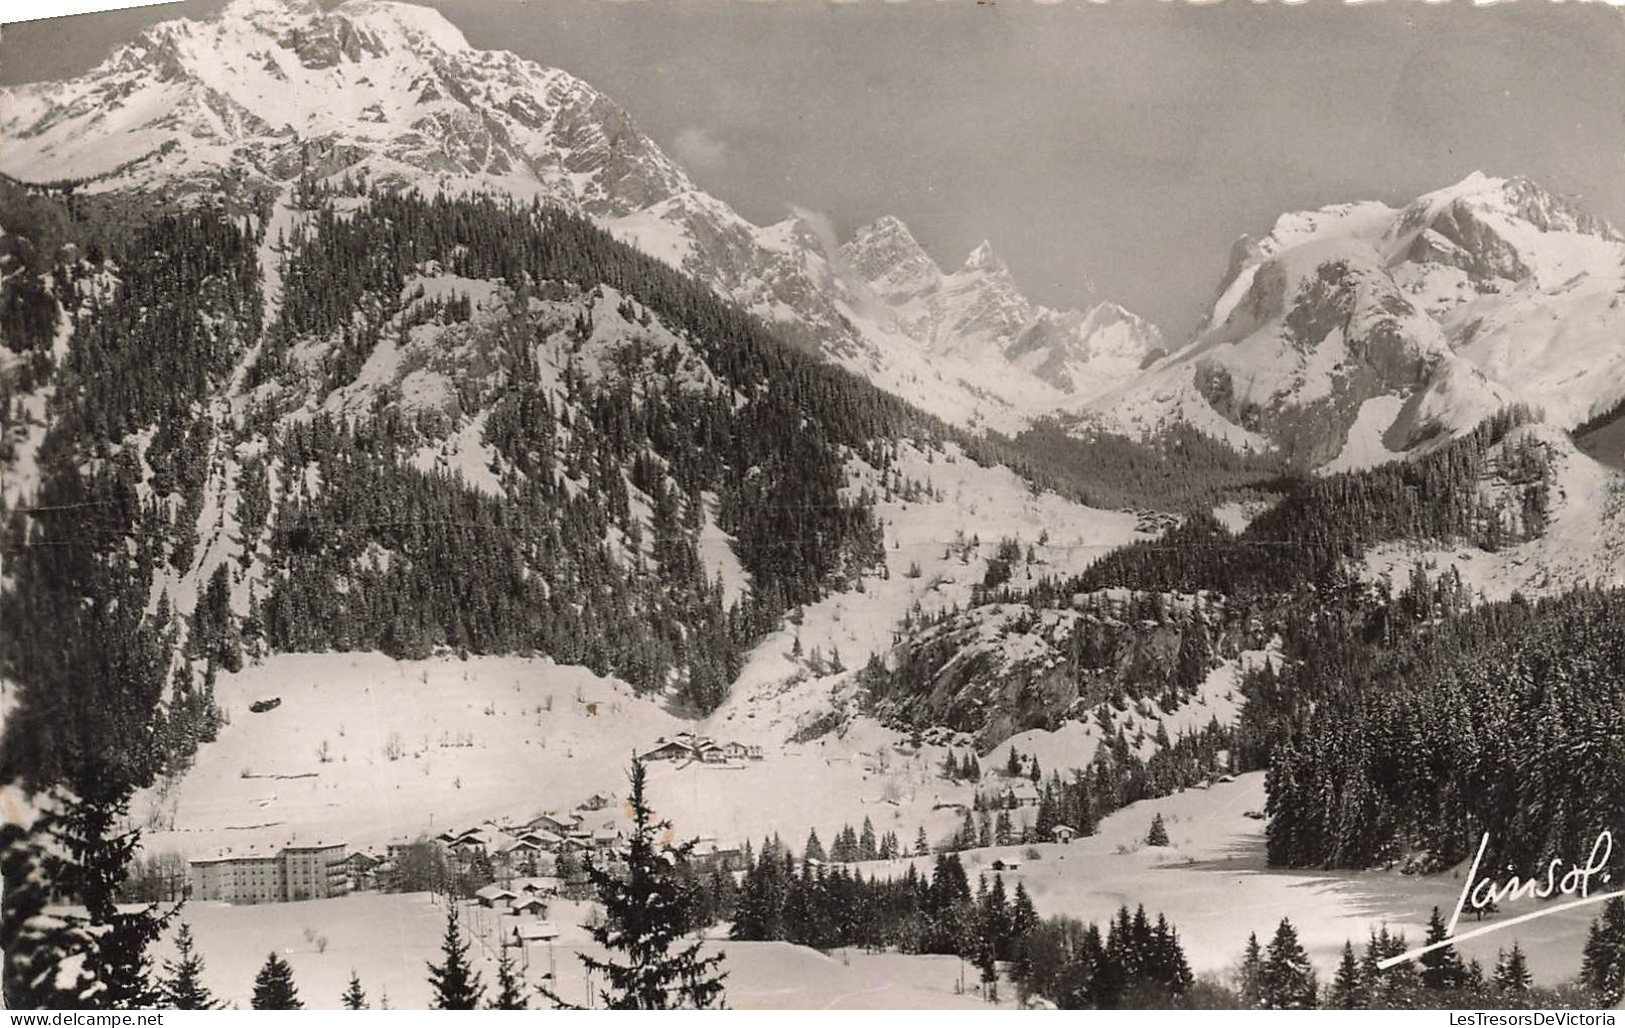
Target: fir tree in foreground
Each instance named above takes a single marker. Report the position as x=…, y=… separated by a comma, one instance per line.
x=1441, y=968
x=37, y=948
x=1249, y=978
x=274, y=988
x=181, y=986
x=456, y=984
x=354, y=998
x=1603, y=969
x=510, y=988
x=647, y=966
x=1287, y=979
x=1512, y=970
x=1346, y=986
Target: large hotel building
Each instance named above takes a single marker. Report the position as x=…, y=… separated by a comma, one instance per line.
x=280, y=876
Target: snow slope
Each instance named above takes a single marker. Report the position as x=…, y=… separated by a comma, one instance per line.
x=1214, y=885
x=484, y=738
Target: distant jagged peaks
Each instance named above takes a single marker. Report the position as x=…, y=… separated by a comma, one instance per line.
x=978, y=313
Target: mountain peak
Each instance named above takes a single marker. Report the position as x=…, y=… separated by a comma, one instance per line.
x=411, y=20
x=983, y=258
x=267, y=10
x=885, y=254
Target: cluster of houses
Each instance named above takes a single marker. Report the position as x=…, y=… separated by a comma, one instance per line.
x=523, y=848
x=686, y=746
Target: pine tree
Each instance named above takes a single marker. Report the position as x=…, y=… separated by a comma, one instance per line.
x=1346, y=986
x=274, y=988
x=1287, y=980
x=1158, y=835
x=814, y=849
x=36, y=948
x=922, y=845
x=1003, y=832
x=1603, y=968
x=643, y=923
x=1512, y=970
x=93, y=862
x=510, y=990
x=1250, y=977
x=1441, y=968
x=1394, y=987
x=456, y=984
x=354, y=998
x=181, y=987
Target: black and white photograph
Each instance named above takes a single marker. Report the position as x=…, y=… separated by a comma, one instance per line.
x=776, y=505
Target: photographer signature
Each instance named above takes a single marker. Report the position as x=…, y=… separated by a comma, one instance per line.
x=1483, y=893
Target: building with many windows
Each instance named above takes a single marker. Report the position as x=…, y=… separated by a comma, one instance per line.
x=265, y=876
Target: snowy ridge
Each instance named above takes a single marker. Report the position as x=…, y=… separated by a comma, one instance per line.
x=271, y=90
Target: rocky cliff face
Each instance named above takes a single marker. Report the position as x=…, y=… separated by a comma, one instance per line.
x=1364, y=329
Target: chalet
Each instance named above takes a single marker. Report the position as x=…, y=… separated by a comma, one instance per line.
x=1022, y=794
x=1063, y=834
x=597, y=801
x=495, y=895
x=708, y=752
x=469, y=845
x=530, y=906
x=556, y=824
x=361, y=870
x=398, y=845
x=544, y=886
x=534, y=931
x=1006, y=865
x=543, y=839
x=608, y=835
x=667, y=749
x=532, y=842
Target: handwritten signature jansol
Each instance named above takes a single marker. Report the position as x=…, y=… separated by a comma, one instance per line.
x=1482, y=893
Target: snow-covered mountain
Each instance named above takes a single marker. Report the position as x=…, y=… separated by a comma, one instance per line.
x=978, y=314
x=1355, y=332
x=270, y=90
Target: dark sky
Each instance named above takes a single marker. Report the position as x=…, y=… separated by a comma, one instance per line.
x=1124, y=144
